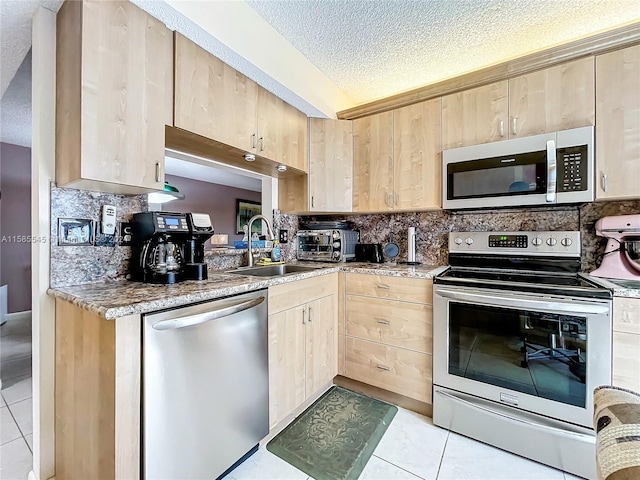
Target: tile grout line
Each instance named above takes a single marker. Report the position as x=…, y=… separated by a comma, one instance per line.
x=444, y=449
x=397, y=466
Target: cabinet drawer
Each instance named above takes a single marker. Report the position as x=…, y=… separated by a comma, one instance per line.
x=626, y=315
x=291, y=294
x=416, y=290
x=402, y=324
x=395, y=369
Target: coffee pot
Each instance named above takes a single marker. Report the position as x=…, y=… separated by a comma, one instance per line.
x=158, y=240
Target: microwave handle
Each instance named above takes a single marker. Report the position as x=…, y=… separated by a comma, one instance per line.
x=551, y=171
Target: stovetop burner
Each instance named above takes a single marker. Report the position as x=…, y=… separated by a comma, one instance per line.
x=537, y=262
x=536, y=282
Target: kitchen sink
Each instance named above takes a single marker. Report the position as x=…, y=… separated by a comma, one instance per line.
x=272, y=270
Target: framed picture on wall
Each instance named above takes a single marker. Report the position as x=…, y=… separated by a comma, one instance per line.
x=245, y=209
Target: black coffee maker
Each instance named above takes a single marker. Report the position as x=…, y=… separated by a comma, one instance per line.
x=200, y=230
x=158, y=240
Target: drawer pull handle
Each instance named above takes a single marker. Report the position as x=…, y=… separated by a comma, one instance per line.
x=384, y=367
x=383, y=322
x=383, y=286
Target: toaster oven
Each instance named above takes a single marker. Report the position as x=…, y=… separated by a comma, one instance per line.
x=327, y=245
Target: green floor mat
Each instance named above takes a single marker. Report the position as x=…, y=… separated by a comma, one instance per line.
x=335, y=437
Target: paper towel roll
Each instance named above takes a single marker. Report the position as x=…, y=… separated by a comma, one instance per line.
x=411, y=244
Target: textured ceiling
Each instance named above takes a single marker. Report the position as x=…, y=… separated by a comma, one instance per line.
x=15, y=107
x=374, y=49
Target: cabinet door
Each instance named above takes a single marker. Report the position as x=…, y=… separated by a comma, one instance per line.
x=286, y=362
x=417, y=162
x=322, y=343
x=212, y=99
x=618, y=129
x=110, y=107
x=331, y=165
x=282, y=131
x=475, y=116
x=626, y=343
x=373, y=163
x=557, y=98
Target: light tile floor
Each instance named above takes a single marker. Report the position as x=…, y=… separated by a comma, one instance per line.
x=413, y=449
x=16, y=435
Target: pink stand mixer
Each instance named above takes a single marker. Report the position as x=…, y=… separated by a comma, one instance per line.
x=622, y=255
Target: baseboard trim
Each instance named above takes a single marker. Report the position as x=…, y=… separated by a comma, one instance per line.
x=417, y=406
x=18, y=316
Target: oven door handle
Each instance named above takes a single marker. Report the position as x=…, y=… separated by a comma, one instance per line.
x=490, y=299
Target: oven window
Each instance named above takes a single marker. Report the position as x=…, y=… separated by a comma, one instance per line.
x=315, y=243
x=531, y=352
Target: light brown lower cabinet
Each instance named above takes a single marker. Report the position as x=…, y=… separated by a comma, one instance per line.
x=303, y=342
x=395, y=369
x=626, y=343
x=97, y=395
x=389, y=333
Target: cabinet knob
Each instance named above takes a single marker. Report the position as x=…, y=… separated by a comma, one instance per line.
x=384, y=367
x=514, y=125
x=253, y=141
x=159, y=176
x=502, y=128
x=605, y=182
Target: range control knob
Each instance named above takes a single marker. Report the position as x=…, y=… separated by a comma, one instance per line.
x=336, y=244
x=536, y=242
x=336, y=254
x=566, y=242
x=336, y=235
x=469, y=241
x=458, y=241
x=551, y=242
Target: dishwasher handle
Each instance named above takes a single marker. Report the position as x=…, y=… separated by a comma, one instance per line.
x=191, y=320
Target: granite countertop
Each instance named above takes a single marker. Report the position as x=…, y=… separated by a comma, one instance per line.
x=621, y=288
x=121, y=298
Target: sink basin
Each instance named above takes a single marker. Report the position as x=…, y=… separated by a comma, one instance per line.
x=272, y=270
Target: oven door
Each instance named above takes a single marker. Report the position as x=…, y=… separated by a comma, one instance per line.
x=543, y=354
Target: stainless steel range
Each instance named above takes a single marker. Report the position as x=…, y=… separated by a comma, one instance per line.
x=521, y=339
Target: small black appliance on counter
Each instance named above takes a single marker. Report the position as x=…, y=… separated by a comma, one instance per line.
x=200, y=230
x=168, y=247
x=369, y=252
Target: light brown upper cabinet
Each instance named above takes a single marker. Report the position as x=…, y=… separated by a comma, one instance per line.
x=397, y=161
x=478, y=115
x=111, y=67
x=282, y=131
x=618, y=129
x=212, y=99
x=417, y=159
x=330, y=165
x=373, y=163
x=556, y=98
x=216, y=101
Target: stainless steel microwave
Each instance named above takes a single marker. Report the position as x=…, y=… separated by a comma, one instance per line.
x=549, y=169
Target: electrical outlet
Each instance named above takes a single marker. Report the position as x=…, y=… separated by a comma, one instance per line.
x=124, y=233
x=284, y=236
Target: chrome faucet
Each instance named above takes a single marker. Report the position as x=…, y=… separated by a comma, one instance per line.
x=249, y=244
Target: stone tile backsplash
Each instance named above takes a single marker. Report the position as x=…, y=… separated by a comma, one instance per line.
x=433, y=227
x=75, y=265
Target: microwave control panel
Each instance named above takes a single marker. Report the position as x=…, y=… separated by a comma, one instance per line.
x=572, y=169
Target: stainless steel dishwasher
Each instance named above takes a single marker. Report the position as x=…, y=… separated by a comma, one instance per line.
x=205, y=386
